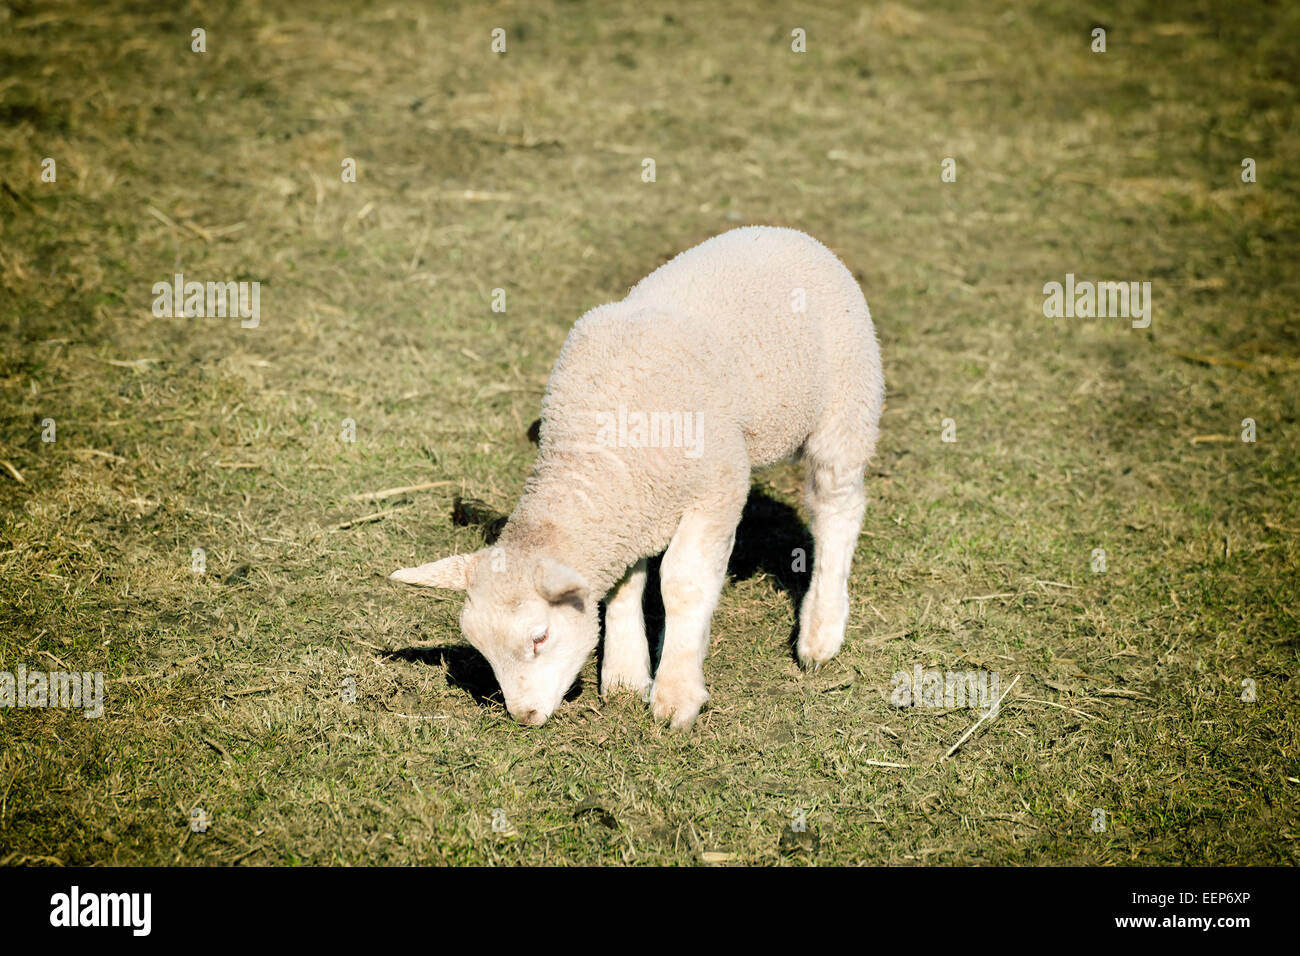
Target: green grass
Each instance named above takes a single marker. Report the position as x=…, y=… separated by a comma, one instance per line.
x=523, y=172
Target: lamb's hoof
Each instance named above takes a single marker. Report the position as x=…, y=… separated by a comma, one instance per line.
x=812, y=660
x=678, y=703
x=816, y=651
x=624, y=683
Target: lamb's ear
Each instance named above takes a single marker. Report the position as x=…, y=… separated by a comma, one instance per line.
x=453, y=572
x=560, y=584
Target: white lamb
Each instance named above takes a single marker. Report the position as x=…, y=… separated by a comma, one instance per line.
x=749, y=348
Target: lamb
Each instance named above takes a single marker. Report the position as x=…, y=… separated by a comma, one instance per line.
x=752, y=347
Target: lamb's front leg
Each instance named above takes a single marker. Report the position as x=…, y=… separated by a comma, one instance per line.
x=626, y=662
x=691, y=579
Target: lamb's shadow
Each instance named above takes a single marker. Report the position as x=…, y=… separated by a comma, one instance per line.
x=771, y=539
x=467, y=670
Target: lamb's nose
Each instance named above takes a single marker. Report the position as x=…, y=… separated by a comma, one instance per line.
x=531, y=718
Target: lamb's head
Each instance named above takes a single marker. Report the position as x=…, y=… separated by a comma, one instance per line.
x=532, y=617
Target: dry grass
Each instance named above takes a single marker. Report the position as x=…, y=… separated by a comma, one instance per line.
x=522, y=172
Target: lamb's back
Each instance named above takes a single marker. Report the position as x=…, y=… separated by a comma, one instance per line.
x=792, y=312
x=718, y=331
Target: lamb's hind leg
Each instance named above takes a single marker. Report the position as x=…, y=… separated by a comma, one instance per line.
x=626, y=662
x=837, y=501
x=691, y=578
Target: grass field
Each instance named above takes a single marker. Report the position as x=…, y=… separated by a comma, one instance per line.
x=522, y=171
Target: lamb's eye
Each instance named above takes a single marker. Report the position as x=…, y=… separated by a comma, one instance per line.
x=539, y=639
